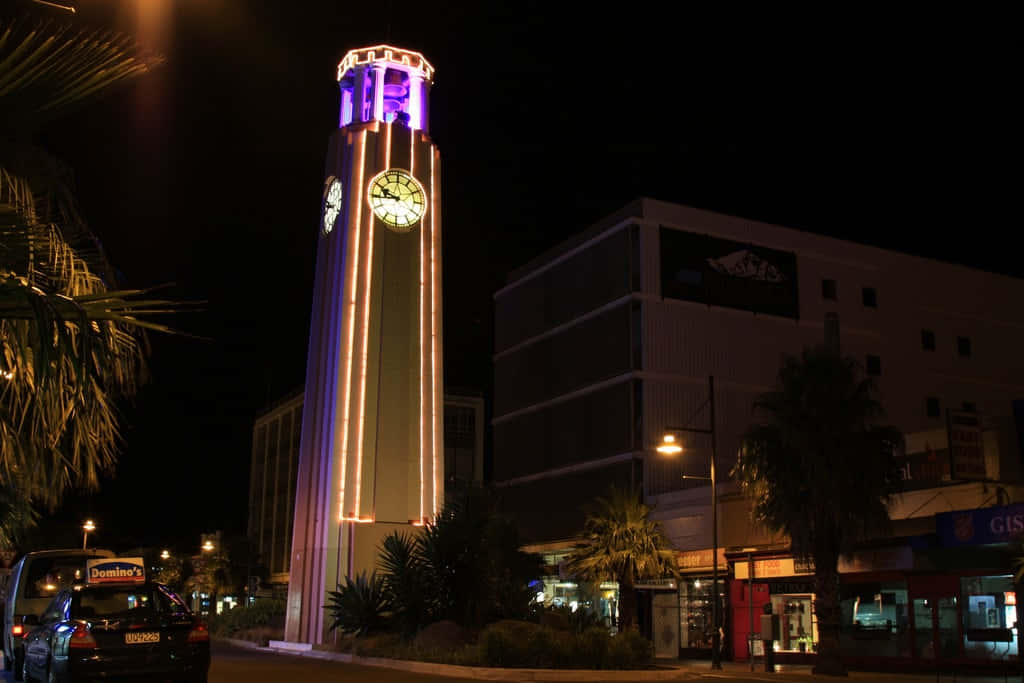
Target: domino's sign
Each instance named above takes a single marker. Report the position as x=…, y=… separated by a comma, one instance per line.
x=116, y=570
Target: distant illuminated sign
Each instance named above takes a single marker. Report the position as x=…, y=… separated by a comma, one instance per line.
x=966, y=446
x=115, y=570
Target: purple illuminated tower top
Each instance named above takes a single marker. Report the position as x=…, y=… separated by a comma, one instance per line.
x=384, y=83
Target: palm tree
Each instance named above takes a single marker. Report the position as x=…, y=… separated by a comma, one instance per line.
x=620, y=543
x=71, y=343
x=819, y=469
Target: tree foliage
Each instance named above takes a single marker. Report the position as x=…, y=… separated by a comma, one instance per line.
x=621, y=543
x=819, y=468
x=465, y=566
x=406, y=582
x=71, y=343
x=360, y=606
x=473, y=559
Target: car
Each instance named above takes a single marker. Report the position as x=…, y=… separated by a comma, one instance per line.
x=126, y=630
x=33, y=582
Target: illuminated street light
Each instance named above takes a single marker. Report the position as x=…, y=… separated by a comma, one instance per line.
x=208, y=546
x=669, y=446
x=165, y=555
x=87, y=527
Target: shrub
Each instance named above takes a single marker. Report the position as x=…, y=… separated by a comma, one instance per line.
x=360, y=606
x=386, y=645
x=591, y=649
x=445, y=636
x=630, y=650
x=504, y=643
x=264, y=613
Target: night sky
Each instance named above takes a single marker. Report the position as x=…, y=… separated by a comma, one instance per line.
x=207, y=173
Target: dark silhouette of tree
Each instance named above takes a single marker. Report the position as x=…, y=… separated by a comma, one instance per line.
x=820, y=469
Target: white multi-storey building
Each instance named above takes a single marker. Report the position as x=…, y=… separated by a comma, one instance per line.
x=609, y=339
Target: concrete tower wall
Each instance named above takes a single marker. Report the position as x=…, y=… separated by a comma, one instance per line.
x=371, y=457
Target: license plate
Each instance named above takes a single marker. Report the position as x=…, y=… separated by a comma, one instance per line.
x=142, y=637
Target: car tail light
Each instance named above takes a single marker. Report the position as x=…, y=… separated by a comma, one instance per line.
x=17, y=630
x=81, y=638
x=200, y=633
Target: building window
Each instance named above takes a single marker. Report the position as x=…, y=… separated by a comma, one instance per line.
x=963, y=346
x=874, y=619
x=829, y=290
x=989, y=612
x=932, y=406
x=927, y=340
x=874, y=366
x=870, y=297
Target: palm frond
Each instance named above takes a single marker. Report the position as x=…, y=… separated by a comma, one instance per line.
x=48, y=65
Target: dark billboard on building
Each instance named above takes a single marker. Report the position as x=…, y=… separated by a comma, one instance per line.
x=720, y=272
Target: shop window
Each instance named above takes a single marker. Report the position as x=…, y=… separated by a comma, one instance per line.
x=927, y=340
x=556, y=593
x=989, y=617
x=870, y=297
x=798, y=626
x=874, y=620
x=829, y=289
x=695, y=613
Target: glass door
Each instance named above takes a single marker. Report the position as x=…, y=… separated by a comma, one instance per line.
x=936, y=627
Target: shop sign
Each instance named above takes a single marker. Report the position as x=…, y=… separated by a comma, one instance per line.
x=115, y=570
x=966, y=446
x=773, y=568
x=693, y=560
x=791, y=587
x=980, y=527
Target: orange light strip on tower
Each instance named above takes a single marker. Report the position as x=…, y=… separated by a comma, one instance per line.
x=358, y=520
x=433, y=324
x=366, y=335
x=350, y=297
x=388, y=53
x=423, y=316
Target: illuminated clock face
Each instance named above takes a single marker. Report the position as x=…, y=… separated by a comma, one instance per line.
x=332, y=204
x=398, y=199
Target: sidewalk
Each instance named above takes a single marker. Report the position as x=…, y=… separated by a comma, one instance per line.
x=666, y=670
x=802, y=673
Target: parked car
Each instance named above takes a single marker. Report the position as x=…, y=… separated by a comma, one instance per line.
x=127, y=630
x=34, y=580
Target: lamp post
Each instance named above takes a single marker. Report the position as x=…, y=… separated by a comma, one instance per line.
x=669, y=446
x=87, y=527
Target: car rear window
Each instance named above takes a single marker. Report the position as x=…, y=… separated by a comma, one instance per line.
x=49, y=575
x=112, y=601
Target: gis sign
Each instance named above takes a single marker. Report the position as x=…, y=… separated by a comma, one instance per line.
x=116, y=570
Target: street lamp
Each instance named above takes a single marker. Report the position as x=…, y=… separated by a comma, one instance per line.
x=165, y=555
x=669, y=446
x=208, y=545
x=87, y=527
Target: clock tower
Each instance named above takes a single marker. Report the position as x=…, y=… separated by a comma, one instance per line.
x=371, y=456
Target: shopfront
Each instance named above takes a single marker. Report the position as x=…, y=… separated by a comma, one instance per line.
x=695, y=597
x=785, y=586
x=558, y=589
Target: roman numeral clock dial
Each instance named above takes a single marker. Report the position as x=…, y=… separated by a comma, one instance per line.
x=397, y=199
